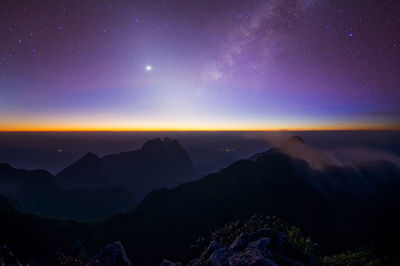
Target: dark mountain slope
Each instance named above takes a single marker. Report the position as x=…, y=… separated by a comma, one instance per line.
x=38, y=191
x=340, y=207
x=158, y=163
x=13, y=179
x=31, y=236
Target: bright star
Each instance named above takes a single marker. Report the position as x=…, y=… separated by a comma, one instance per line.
x=148, y=68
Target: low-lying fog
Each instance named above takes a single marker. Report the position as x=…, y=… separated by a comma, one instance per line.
x=209, y=151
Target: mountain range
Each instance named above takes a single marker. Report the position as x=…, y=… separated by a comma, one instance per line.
x=159, y=163
x=93, y=188
x=340, y=206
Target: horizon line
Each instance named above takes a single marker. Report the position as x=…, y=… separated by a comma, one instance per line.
x=198, y=130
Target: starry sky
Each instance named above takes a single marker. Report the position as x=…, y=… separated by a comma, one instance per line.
x=199, y=64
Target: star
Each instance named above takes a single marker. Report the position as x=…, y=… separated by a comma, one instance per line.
x=148, y=68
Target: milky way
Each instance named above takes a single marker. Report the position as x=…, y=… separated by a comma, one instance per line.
x=120, y=65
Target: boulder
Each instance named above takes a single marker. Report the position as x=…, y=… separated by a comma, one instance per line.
x=219, y=258
x=265, y=247
x=261, y=244
x=242, y=241
x=113, y=255
x=213, y=246
x=256, y=253
x=251, y=257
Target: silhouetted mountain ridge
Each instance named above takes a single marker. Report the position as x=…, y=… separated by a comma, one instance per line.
x=88, y=157
x=157, y=164
x=340, y=206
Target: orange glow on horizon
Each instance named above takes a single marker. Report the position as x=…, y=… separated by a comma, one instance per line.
x=211, y=129
x=17, y=123
x=181, y=122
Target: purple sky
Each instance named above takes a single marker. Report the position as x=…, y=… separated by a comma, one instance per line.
x=300, y=64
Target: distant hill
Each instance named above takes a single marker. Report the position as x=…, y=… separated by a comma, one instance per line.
x=38, y=191
x=159, y=163
x=340, y=207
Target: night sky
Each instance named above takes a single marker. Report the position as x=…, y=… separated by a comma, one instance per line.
x=199, y=65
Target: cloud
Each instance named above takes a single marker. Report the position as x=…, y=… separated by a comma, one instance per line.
x=351, y=155
x=320, y=159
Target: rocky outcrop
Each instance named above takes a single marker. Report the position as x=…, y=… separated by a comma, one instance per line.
x=113, y=255
x=262, y=248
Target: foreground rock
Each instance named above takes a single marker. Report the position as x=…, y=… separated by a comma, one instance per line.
x=262, y=248
x=113, y=255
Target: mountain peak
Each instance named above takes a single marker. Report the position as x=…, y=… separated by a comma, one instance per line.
x=159, y=163
x=171, y=143
x=152, y=144
x=89, y=157
x=294, y=140
x=157, y=143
